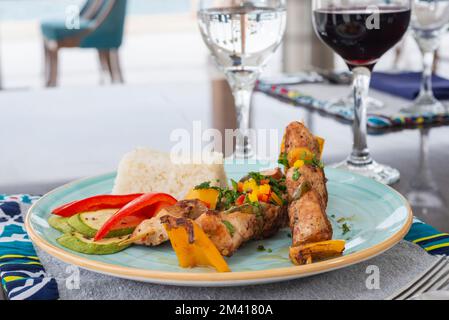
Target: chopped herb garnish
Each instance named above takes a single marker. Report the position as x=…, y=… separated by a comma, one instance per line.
x=296, y=174
x=269, y=250
x=260, y=248
x=227, y=198
x=345, y=228
x=283, y=159
x=333, y=216
x=230, y=227
x=340, y=220
x=315, y=162
x=256, y=176
x=289, y=235
x=204, y=185
x=235, y=185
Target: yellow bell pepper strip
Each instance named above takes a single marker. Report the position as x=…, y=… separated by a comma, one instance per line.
x=312, y=252
x=299, y=154
x=276, y=199
x=208, y=196
x=192, y=246
x=283, y=144
x=320, y=142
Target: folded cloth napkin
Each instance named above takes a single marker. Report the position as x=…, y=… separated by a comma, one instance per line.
x=24, y=277
x=408, y=84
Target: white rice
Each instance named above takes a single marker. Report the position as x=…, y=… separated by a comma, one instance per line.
x=144, y=170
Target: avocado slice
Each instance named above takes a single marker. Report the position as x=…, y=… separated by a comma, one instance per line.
x=77, y=242
x=88, y=223
x=60, y=223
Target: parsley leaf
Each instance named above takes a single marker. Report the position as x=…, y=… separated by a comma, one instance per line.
x=204, y=185
x=296, y=174
x=230, y=227
x=345, y=228
x=283, y=159
x=235, y=185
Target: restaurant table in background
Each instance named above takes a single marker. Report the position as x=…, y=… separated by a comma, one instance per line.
x=50, y=137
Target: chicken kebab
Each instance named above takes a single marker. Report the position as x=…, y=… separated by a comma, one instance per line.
x=254, y=208
x=307, y=197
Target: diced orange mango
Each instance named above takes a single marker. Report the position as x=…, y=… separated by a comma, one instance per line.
x=299, y=154
x=264, y=189
x=298, y=164
x=208, y=196
x=253, y=196
x=250, y=185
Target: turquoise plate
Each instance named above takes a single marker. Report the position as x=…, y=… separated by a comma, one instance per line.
x=377, y=218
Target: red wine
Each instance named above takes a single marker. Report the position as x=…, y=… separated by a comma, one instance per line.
x=358, y=37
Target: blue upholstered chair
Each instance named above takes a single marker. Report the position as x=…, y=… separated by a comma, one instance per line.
x=101, y=27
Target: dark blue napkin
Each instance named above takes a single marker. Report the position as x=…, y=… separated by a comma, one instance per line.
x=407, y=84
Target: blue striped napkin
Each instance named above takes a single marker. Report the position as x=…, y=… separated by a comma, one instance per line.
x=429, y=238
x=24, y=277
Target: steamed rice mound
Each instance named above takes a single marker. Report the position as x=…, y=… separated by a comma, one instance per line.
x=144, y=170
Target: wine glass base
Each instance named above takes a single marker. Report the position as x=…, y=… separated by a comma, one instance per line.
x=424, y=106
x=348, y=104
x=379, y=172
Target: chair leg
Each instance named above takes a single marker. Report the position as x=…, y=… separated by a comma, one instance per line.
x=51, y=57
x=46, y=64
x=104, y=64
x=114, y=66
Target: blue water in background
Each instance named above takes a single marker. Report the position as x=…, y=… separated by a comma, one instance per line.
x=40, y=9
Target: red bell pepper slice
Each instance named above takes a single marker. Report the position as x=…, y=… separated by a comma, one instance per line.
x=94, y=203
x=146, y=205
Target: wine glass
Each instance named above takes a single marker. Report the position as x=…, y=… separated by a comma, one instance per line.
x=430, y=19
x=242, y=35
x=423, y=192
x=361, y=32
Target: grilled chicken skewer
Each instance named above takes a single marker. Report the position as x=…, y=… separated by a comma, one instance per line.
x=151, y=232
x=307, y=193
x=228, y=229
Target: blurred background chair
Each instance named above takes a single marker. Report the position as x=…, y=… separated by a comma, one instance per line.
x=101, y=26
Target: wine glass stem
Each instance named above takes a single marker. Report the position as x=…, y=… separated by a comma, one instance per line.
x=426, y=83
x=423, y=179
x=360, y=155
x=242, y=97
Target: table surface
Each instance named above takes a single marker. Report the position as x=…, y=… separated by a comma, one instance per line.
x=49, y=137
